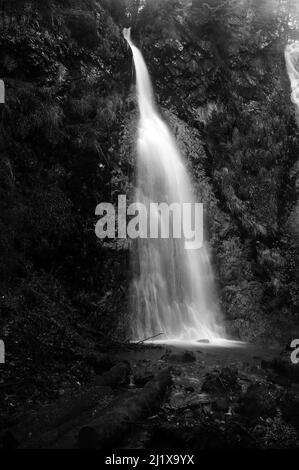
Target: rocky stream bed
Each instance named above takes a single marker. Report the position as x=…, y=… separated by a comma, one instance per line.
x=171, y=397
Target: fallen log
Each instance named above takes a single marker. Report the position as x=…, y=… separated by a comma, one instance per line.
x=107, y=429
x=81, y=410
x=56, y=416
x=117, y=375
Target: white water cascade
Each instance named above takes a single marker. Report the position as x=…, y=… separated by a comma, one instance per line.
x=173, y=292
x=292, y=62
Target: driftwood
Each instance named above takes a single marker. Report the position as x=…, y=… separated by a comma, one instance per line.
x=106, y=430
x=28, y=431
x=150, y=337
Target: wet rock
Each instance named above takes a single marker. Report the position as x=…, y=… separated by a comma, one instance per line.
x=188, y=356
x=181, y=358
x=205, y=341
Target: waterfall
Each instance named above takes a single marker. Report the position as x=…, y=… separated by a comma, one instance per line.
x=173, y=292
x=292, y=62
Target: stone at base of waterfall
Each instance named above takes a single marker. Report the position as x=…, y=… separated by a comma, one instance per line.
x=205, y=341
x=179, y=357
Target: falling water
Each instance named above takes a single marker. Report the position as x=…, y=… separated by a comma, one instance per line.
x=173, y=292
x=292, y=61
